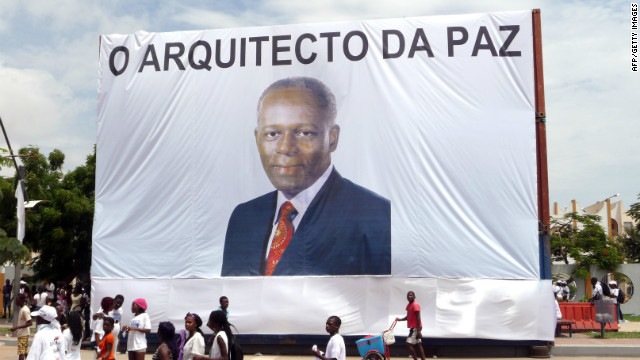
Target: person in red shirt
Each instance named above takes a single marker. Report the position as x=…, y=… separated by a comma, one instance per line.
x=106, y=343
x=414, y=323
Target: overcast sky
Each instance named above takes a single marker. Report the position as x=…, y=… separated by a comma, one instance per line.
x=49, y=61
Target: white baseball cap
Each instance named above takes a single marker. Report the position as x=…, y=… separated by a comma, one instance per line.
x=46, y=312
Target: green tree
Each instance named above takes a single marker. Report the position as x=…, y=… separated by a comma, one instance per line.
x=587, y=246
x=630, y=239
x=11, y=250
x=59, y=228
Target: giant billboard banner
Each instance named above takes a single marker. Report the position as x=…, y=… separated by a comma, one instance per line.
x=324, y=169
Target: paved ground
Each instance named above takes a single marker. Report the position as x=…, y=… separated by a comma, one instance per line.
x=576, y=345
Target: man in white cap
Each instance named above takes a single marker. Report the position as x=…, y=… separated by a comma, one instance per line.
x=613, y=285
x=48, y=342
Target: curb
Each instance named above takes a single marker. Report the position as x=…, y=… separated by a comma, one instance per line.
x=615, y=351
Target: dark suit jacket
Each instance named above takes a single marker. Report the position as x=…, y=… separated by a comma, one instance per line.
x=345, y=231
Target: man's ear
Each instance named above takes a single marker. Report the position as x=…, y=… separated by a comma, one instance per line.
x=334, y=135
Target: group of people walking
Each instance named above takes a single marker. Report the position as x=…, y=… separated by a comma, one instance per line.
x=59, y=334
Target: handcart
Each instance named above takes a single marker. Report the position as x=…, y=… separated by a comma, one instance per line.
x=376, y=347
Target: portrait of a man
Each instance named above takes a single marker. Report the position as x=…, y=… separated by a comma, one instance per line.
x=316, y=222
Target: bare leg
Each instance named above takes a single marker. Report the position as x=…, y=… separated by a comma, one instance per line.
x=131, y=355
x=420, y=350
x=139, y=355
x=412, y=351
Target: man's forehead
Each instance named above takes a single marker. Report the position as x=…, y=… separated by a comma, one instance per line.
x=289, y=96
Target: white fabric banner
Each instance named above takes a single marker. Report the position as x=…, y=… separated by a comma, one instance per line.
x=450, y=308
x=432, y=175
x=20, y=216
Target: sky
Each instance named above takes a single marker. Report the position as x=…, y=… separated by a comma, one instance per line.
x=49, y=64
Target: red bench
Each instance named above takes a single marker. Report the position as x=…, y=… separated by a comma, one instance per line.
x=584, y=316
x=562, y=323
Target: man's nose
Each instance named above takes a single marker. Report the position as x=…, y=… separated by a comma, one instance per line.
x=287, y=144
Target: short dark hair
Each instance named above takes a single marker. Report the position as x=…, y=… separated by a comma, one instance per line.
x=223, y=298
x=108, y=320
x=336, y=320
x=325, y=99
x=119, y=297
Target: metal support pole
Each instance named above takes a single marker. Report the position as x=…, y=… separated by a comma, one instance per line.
x=541, y=150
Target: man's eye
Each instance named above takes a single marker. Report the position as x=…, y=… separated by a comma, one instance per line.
x=304, y=133
x=271, y=134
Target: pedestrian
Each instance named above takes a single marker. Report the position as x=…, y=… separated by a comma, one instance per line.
x=76, y=295
x=614, y=295
x=24, y=323
x=61, y=320
x=116, y=314
x=106, y=305
x=414, y=323
x=195, y=340
x=566, y=291
x=138, y=329
x=222, y=336
x=73, y=336
x=62, y=299
x=106, y=342
x=6, y=299
x=224, y=305
x=39, y=299
x=48, y=343
x=50, y=287
x=335, y=347
x=596, y=290
x=168, y=349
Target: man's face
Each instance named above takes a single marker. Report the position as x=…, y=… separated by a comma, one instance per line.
x=331, y=327
x=117, y=303
x=294, y=141
x=411, y=296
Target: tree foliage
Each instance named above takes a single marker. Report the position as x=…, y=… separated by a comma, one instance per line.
x=630, y=239
x=588, y=245
x=11, y=250
x=59, y=228
x=5, y=161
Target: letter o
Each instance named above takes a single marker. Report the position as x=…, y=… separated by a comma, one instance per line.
x=365, y=45
x=112, y=56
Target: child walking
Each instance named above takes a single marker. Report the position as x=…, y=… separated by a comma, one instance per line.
x=414, y=323
x=73, y=336
x=335, y=348
x=106, y=344
x=24, y=322
x=138, y=329
x=222, y=337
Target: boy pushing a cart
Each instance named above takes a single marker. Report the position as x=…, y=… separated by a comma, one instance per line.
x=335, y=348
x=414, y=323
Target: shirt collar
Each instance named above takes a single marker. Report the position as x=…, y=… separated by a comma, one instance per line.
x=302, y=201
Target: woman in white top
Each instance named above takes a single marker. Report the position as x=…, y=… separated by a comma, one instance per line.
x=138, y=329
x=221, y=335
x=195, y=342
x=73, y=336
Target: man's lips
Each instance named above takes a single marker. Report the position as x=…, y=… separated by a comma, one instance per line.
x=286, y=168
x=289, y=166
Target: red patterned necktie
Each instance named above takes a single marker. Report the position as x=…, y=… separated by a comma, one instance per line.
x=283, y=235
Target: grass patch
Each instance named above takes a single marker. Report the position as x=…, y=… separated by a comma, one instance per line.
x=632, y=317
x=4, y=330
x=616, y=335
